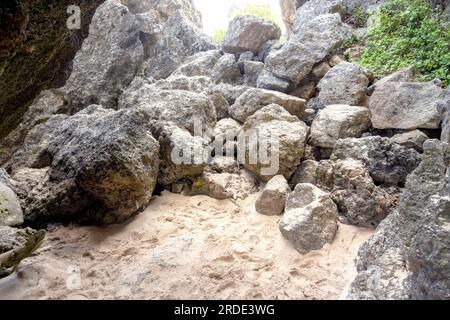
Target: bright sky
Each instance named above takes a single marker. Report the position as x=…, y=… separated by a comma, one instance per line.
x=215, y=13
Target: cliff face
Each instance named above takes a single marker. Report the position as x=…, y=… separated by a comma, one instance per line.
x=36, y=49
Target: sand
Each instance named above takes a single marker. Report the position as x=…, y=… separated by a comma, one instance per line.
x=185, y=248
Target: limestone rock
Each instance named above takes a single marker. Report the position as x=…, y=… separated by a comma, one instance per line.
x=227, y=70
x=314, y=8
x=310, y=219
x=387, y=161
x=272, y=200
x=249, y=33
x=109, y=59
x=406, y=105
x=403, y=75
x=444, y=109
x=252, y=71
x=338, y=122
x=411, y=139
x=220, y=104
x=226, y=133
x=254, y=99
x=11, y=213
x=267, y=80
x=272, y=142
x=200, y=64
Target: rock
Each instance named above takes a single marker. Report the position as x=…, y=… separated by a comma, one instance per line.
x=252, y=70
x=359, y=200
x=183, y=108
x=180, y=39
x=226, y=133
x=200, y=64
x=223, y=179
x=444, y=109
x=228, y=91
x=272, y=200
x=182, y=154
x=306, y=91
x=305, y=173
x=403, y=75
x=109, y=59
x=315, y=8
x=320, y=70
x=387, y=161
x=310, y=219
x=288, y=9
x=11, y=213
x=227, y=70
x=345, y=83
x=411, y=139
x=99, y=159
x=249, y=33
x=254, y=99
x=246, y=56
x=198, y=84
x=308, y=46
x=406, y=105
x=272, y=142
x=338, y=122
x=267, y=48
x=408, y=257
x=220, y=104
x=268, y=81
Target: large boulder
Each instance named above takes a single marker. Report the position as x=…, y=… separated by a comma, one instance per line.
x=272, y=142
x=225, y=134
x=109, y=59
x=345, y=83
x=249, y=33
x=310, y=45
x=180, y=39
x=408, y=257
x=102, y=160
x=11, y=213
x=267, y=80
x=272, y=200
x=314, y=8
x=338, y=122
x=406, y=105
x=403, y=75
x=254, y=99
x=387, y=161
x=310, y=219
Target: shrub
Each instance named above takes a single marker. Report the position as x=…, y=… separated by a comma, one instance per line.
x=219, y=35
x=409, y=32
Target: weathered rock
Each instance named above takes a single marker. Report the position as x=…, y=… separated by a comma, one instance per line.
x=314, y=8
x=310, y=219
x=249, y=33
x=246, y=56
x=444, y=109
x=403, y=75
x=99, y=159
x=182, y=108
x=338, y=122
x=305, y=173
x=359, y=201
x=225, y=134
x=198, y=84
x=412, y=139
x=272, y=200
x=406, y=105
x=180, y=39
x=305, y=91
x=345, y=83
x=11, y=213
x=387, y=161
x=288, y=10
x=109, y=59
x=254, y=99
x=320, y=70
x=228, y=91
x=252, y=71
x=310, y=45
x=220, y=104
x=200, y=64
x=408, y=257
x=227, y=70
x=267, y=80
x=272, y=142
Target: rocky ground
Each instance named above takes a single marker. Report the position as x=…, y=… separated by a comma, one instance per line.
x=153, y=138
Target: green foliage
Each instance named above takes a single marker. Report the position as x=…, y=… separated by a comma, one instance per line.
x=409, y=32
x=263, y=11
x=219, y=35
x=358, y=18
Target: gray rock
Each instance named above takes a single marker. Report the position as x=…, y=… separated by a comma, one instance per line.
x=252, y=70
x=226, y=133
x=305, y=91
x=200, y=64
x=11, y=213
x=338, y=122
x=322, y=69
x=246, y=56
x=283, y=136
x=406, y=105
x=99, y=159
x=387, y=161
x=408, y=257
x=411, y=139
x=228, y=91
x=267, y=80
x=310, y=219
x=288, y=10
x=227, y=70
x=308, y=46
x=220, y=104
x=305, y=173
x=272, y=200
x=403, y=75
x=180, y=39
x=198, y=84
x=314, y=8
x=249, y=33
x=109, y=59
x=254, y=99
x=444, y=109
x=345, y=83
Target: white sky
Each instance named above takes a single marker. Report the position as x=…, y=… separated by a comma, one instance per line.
x=215, y=12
